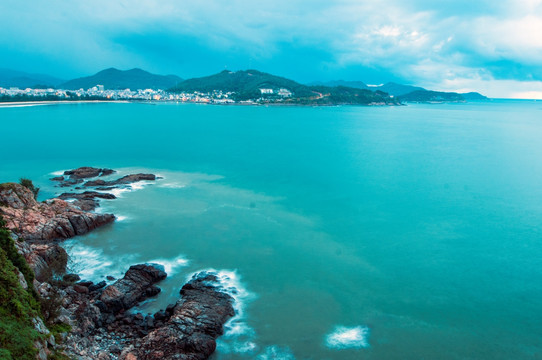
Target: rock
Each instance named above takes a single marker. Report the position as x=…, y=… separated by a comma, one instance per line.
x=44, y=259
x=22, y=280
x=87, y=172
x=71, y=278
x=97, y=286
x=125, y=180
x=80, y=289
x=54, y=219
x=85, y=283
x=87, y=200
x=58, y=178
x=198, y=319
x=98, y=182
x=160, y=315
x=110, y=278
x=126, y=292
x=170, y=308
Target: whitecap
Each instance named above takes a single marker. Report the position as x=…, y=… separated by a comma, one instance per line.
x=57, y=173
x=92, y=264
x=121, y=217
x=238, y=337
x=348, y=337
x=171, y=266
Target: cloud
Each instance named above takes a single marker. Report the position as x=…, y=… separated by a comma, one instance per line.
x=422, y=42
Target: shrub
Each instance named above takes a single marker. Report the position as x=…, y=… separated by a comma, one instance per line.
x=27, y=183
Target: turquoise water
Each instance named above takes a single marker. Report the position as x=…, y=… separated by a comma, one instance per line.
x=417, y=229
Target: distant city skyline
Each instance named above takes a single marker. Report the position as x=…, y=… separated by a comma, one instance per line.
x=493, y=48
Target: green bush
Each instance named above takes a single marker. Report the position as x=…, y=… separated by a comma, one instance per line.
x=19, y=306
x=27, y=183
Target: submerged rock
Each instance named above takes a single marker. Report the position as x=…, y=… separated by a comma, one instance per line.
x=136, y=285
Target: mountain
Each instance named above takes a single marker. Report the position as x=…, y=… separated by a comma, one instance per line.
x=253, y=85
x=431, y=96
x=474, y=96
x=115, y=79
x=397, y=89
x=20, y=79
x=351, y=84
x=246, y=84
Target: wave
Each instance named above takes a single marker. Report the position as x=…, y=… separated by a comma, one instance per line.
x=171, y=266
x=92, y=264
x=348, y=338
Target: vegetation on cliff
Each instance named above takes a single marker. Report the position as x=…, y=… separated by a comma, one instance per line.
x=19, y=306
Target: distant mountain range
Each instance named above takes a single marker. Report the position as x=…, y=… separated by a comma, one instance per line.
x=12, y=78
x=409, y=93
x=114, y=79
x=245, y=84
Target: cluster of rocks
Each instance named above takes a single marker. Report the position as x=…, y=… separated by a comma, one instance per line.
x=104, y=328
x=78, y=177
x=45, y=221
x=103, y=323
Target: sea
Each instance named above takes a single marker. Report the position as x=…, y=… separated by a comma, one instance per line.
x=394, y=232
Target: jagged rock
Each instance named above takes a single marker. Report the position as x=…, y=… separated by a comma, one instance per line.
x=88, y=200
x=87, y=172
x=197, y=320
x=86, y=195
x=22, y=280
x=125, y=180
x=54, y=219
x=80, y=289
x=43, y=259
x=97, y=286
x=71, y=278
x=57, y=178
x=126, y=292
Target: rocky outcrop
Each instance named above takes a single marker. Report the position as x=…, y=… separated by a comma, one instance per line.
x=53, y=219
x=136, y=285
x=44, y=259
x=125, y=180
x=190, y=333
x=88, y=200
x=87, y=172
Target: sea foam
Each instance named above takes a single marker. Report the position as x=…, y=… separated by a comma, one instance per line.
x=348, y=338
x=238, y=336
x=171, y=266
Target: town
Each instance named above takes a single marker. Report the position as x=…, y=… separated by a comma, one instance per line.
x=98, y=92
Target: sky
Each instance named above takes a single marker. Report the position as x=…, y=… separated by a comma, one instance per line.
x=494, y=47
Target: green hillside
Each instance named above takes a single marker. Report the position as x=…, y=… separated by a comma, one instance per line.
x=246, y=84
x=114, y=79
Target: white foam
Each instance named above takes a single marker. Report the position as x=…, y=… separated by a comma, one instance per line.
x=238, y=335
x=348, y=338
x=276, y=353
x=121, y=217
x=171, y=266
x=92, y=264
x=57, y=173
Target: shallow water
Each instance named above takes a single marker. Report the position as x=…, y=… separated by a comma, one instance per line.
x=344, y=232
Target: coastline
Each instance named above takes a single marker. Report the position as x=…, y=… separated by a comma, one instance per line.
x=87, y=320
x=55, y=102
